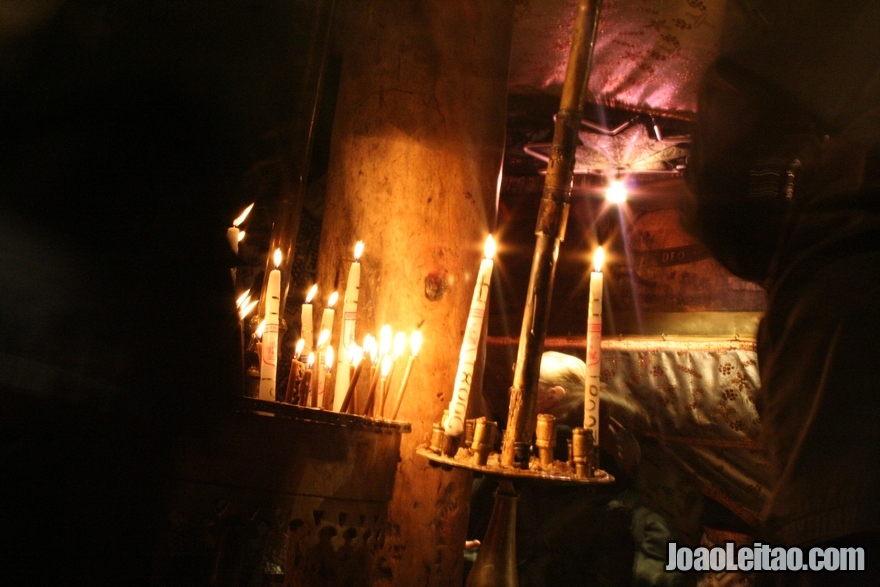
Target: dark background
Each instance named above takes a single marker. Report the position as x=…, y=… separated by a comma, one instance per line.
x=131, y=134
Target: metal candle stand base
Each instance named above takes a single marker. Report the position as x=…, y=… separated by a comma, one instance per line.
x=496, y=563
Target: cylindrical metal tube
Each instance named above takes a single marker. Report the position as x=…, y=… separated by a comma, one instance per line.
x=484, y=440
x=582, y=447
x=545, y=440
x=437, y=436
x=550, y=230
x=469, y=432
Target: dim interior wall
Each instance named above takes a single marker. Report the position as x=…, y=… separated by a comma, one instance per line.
x=415, y=157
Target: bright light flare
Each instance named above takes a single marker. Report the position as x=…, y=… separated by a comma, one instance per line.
x=243, y=299
x=241, y=236
x=311, y=293
x=260, y=328
x=328, y=358
x=243, y=215
x=386, y=365
x=332, y=300
x=277, y=258
x=325, y=336
x=489, y=249
x=355, y=355
x=248, y=308
x=358, y=251
x=311, y=361
x=616, y=192
x=399, y=344
x=370, y=346
x=598, y=259
x=300, y=345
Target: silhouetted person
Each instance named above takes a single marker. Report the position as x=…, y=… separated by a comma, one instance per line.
x=786, y=193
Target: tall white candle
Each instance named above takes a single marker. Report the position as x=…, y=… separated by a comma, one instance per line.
x=454, y=424
x=349, y=321
x=308, y=321
x=594, y=347
x=269, y=362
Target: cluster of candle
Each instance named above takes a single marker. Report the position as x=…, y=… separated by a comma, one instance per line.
x=379, y=358
x=319, y=376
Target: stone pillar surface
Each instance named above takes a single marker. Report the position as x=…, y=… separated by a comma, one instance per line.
x=415, y=161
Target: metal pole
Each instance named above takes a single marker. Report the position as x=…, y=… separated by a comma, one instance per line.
x=285, y=228
x=550, y=230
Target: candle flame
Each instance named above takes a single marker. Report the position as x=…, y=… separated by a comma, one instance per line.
x=386, y=365
x=247, y=309
x=385, y=339
x=311, y=293
x=399, y=344
x=242, y=300
x=323, y=338
x=355, y=355
x=416, y=342
x=311, y=361
x=332, y=300
x=489, y=249
x=241, y=236
x=598, y=259
x=370, y=346
x=260, y=328
x=358, y=251
x=328, y=358
x=243, y=215
x=277, y=258
x=300, y=345
x=616, y=192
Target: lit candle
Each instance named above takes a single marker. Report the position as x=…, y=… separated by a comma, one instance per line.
x=325, y=375
x=318, y=376
x=383, y=380
x=349, y=321
x=233, y=234
x=269, y=362
x=415, y=344
x=396, y=352
x=454, y=424
x=308, y=326
x=357, y=361
x=306, y=383
x=294, y=376
x=594, y=350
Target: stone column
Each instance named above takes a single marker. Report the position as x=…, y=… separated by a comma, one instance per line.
x=416, y=156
